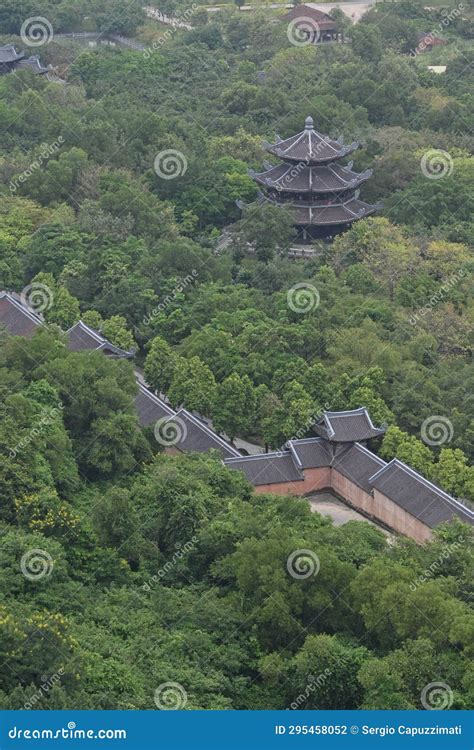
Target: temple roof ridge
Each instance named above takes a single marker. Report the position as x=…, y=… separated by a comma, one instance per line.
x=310, y=145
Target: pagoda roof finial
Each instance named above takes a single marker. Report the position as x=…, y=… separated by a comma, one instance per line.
x=308, y=123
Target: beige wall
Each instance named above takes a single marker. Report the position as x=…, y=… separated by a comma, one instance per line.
x=314, y=479
x=378, y=506
x=392, y=515
x=352, y=493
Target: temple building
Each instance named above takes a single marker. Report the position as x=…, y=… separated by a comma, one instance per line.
x=323, y=194
x=338, y=460
x=316, y=26
x=11, y=60
x=392, y=494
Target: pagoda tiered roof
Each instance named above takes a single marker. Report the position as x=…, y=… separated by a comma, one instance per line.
x=310, y=146
x=325, y=178
x=317, y=214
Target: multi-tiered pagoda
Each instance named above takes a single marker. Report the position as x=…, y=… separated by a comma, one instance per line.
x=323, y=195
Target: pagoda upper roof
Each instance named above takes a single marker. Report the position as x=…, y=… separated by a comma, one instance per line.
x=310, y=146
x=8, y=54
x=315, y=214
x=325, y=178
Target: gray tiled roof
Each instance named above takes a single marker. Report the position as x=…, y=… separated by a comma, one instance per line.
x=9, y=54
x=267, y=468
x=149, y=407
x=16, y=316
x=418, y=496
x=82, y=337
x=337, y=213
x=324, y=22
x=31, y=63
x=357, y=464
x=321, y=179
x=198, y=437
x=309, y=146
x=347, y=426
x=310, y=453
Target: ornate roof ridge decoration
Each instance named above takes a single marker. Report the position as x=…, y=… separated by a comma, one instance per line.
x=322, y=193
x=310, y=145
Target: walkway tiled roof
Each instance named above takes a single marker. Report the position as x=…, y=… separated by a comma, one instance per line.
x=197, y=436
x=16, y=316
x=310, y=453
x=417, y=495
x=357, y=464
x=267, y=468
x=150, y=408
x=82, y=337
